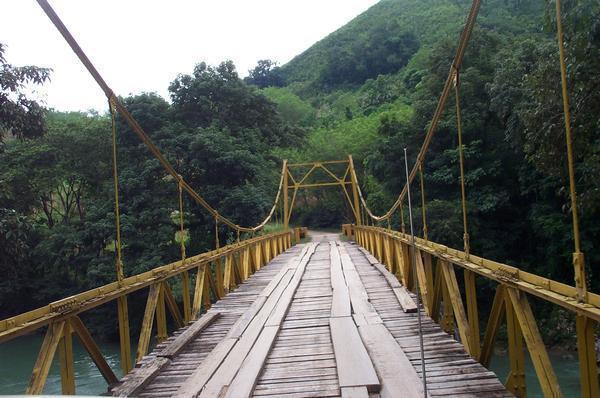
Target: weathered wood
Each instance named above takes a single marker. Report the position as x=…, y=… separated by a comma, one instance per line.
x=143, y=375
x=354, y=365
x=340, y=304
x=398, y=376
x=401, y=293
x=354, y=392
x=285, y=343
x=245, y=379
x=224, y=375
x=188, y=334
x=206, y=369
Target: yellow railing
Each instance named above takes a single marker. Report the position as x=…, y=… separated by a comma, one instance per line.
x=442, y=300
x=217, y=272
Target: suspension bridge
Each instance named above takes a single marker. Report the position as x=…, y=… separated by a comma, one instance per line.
x=376, y=312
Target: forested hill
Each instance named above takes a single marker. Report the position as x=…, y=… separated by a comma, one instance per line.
x=371, y=88
x=384, y=38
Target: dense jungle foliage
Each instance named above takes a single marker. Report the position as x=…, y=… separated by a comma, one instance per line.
x=369, y=89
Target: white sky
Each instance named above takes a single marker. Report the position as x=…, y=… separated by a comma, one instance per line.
x=142, y=45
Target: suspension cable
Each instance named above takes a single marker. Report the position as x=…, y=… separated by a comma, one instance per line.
x=181, y=229
x=461, y=163
x=118, y=257
x=137, y=129
x=423, y=208
x=578, y=257
x=217, y=245
x=402, y=227
x=456, y=63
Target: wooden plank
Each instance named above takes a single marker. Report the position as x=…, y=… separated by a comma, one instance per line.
x=135, y=382
x=370, y=258
x=225, y=374
x=354, y=392
x=398, y=376
x=188, y=335
x=340, y=304
x=266, y=292
x=245, y=379
x=354, y=365
x=401, y=293
x=243, y=321
x=225, y=359
x=358, y=294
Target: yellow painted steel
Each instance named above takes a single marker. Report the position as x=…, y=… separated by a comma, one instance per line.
x=65, y=354
x=585, y=327
x=44, y=360
x=537, y=350
x=472, y=312
x=286, y=212
x=515, y=382
x=461, y=162
x=347, y=178
x=457, y=306
x=124, y=335
x=493, y=324
x=92, y=349
x=423, y=207
x=510, y=299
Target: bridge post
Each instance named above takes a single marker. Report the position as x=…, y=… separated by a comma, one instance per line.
x=65, y=354
x=286, y=211
x=355, y=197
x=515, y=382
x=585, y=327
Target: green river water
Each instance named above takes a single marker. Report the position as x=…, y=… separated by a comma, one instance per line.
x=18, y=356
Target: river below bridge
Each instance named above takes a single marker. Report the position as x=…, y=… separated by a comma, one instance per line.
x=18, y=356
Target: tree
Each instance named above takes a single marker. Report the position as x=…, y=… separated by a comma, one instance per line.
x=216, y=96
x=20, y=116
x=266, y=73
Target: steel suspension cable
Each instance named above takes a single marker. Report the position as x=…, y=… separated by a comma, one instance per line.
x=138, y=129
x=423, y=208
x=578, y=257
x=181, y=229
x=461, y=160
x=118, y=254
x=456, y=63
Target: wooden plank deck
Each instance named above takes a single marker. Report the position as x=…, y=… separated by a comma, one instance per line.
x=320, y=320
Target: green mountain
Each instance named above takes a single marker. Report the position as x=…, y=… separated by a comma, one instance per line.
x=388, y=35
x=371, y=87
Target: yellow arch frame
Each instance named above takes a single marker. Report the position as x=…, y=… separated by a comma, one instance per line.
x=293, y=181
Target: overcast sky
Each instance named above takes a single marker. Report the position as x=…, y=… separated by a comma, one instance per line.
x=142, y=45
